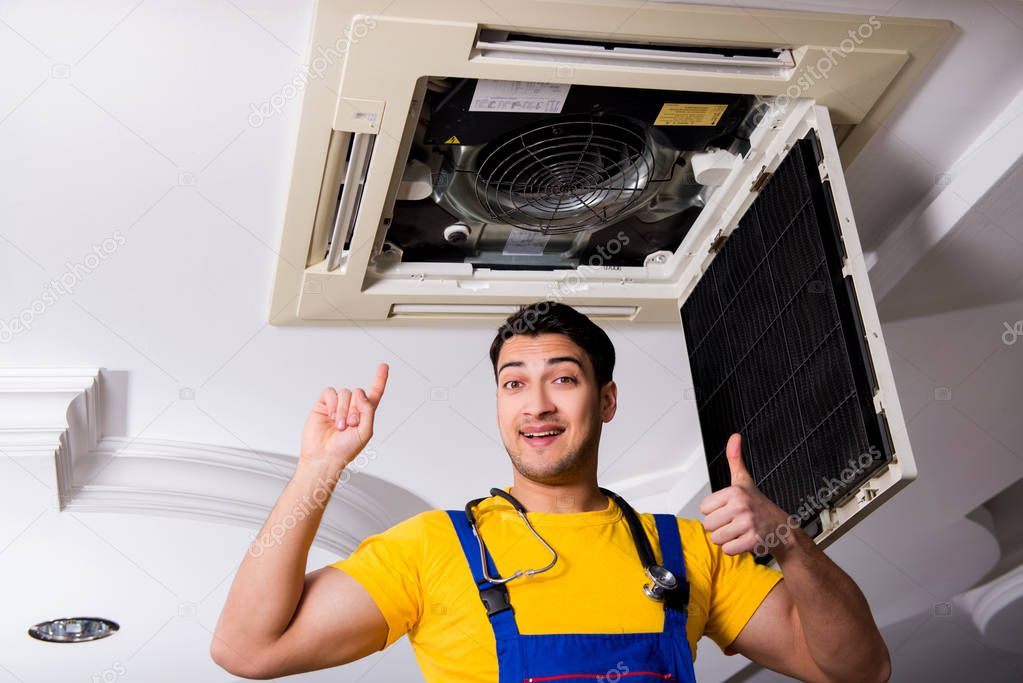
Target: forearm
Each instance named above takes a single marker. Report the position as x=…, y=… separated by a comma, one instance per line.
x=837, y=626
x=269, y=582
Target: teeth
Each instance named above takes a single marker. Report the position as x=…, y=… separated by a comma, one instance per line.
x=553, y=433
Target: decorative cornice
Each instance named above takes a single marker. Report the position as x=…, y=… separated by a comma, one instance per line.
x=51, y=413
x=997, y=610
x=54, y=413
x=232, y=485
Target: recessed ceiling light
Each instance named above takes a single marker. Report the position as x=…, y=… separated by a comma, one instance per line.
x=73, y=629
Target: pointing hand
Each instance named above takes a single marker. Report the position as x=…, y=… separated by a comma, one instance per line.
x=341, y=422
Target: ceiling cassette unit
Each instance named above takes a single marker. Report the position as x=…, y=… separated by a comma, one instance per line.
x=642, y=162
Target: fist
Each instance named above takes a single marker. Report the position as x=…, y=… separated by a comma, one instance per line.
x=341, y=422
x=739, y=517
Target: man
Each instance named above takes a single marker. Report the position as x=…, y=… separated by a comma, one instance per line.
x=587, y=615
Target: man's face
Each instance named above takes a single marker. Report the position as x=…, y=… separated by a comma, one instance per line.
x=547, y=384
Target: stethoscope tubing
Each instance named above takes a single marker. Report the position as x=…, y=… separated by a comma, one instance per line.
x=663, y=580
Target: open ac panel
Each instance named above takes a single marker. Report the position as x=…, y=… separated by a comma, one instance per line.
x=642, y=162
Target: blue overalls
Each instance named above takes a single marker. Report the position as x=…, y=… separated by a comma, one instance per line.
x=605, y=657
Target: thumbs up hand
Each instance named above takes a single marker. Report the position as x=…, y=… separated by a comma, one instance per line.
x=739, y=517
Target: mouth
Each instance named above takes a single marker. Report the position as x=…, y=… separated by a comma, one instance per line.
x=538, y=438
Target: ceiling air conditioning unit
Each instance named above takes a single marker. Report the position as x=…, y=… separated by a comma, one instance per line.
x=642, y=162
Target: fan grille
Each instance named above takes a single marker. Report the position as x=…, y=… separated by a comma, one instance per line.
x=565, y=176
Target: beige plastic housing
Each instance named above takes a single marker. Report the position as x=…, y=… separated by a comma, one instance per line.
x=367, y=74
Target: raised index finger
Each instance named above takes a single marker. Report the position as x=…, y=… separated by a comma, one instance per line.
x=376, y=389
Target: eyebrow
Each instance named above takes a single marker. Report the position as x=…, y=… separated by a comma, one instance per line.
x=550, y=361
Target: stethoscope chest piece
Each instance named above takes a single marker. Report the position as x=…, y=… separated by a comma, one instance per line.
x=662, y=580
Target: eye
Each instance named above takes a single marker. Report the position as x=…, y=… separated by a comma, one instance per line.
x=571, y=379
x=509, y=382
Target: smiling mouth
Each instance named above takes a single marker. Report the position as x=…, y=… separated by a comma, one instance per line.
x=543, y=438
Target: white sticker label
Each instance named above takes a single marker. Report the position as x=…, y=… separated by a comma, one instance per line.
x=525, y=243
x=519, y=96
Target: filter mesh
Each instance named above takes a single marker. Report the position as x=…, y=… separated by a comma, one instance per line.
x=772, y=331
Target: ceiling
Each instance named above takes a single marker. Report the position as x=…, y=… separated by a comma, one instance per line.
x=126, y=132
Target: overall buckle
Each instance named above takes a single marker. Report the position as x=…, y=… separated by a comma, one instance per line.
x=495, y=599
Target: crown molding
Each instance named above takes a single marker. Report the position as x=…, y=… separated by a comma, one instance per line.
x=216, y=483
x=50, y=425
x=997, y=609
x=49, y=413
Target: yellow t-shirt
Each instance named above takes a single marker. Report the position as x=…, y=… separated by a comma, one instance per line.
x=419, y=578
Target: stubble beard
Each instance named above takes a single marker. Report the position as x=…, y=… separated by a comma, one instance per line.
x=563, y=470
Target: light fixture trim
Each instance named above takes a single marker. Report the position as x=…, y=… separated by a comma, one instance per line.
x=73, y=629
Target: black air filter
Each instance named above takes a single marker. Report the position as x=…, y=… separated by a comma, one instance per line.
x=777, y=350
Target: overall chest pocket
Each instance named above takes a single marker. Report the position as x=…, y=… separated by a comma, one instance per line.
x=596, y=658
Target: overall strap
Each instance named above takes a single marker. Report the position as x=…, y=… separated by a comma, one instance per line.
x=495, y=600
x=672, y=558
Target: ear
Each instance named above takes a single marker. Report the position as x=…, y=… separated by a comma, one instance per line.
x=608, y=401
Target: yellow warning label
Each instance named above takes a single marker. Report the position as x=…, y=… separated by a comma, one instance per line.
x=453, y=140
x=690, y=114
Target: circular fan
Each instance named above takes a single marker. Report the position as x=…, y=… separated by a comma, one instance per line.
x=565, y=175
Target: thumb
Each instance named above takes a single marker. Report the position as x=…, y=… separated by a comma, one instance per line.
x=733, y=451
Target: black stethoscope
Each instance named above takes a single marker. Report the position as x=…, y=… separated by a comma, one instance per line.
x=662, y=580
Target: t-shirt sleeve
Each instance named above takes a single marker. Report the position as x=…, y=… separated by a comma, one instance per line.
x=738, y=586
x=388, y=566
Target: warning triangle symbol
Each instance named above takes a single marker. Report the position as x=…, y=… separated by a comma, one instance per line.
x=453, y=140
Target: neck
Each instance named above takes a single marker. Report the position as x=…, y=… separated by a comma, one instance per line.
x=582, y=496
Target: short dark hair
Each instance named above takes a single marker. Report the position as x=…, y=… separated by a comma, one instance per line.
x=551, y=317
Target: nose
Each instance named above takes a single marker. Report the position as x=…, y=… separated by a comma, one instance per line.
x=538, y=401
